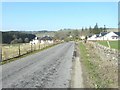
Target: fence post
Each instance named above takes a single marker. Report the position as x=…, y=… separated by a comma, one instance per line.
x=39, y=45
x=43, y=45
x=19, y=50
x=31, y=47
x=34, y=47
x=1, y=53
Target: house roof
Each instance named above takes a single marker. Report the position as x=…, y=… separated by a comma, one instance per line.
x=97, y=35
x=90, y=36
x=118, y=33
x=45, y=38
x=103, y=33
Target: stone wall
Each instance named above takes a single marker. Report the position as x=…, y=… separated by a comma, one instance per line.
x=105, y=53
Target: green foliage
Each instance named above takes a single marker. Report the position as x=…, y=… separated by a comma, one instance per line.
x=43, y=33
x=105, y=30
x=67, y=34
x=90, y=29
x=20, y=40
x=82, y=29
x=26, y=40
x=95, y=30
x=15, y=37
x=15, y=41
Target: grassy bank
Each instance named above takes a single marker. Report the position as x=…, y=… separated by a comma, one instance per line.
x=97, y=73
x=90, y=67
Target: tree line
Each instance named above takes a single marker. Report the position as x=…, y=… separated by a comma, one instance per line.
x=74, y=34
x=94, y=30
x=67, y=34
x=14, y=37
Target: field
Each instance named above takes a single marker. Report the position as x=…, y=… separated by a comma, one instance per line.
x=113, y=44
x=14, y=50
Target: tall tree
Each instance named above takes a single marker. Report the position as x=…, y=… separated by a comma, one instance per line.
x=82, y=29
x=105, y=30
x=86, y=29
x=26, y=40
x=101, y=29
x=90, y=29
x=96, y=30
x=20, y=40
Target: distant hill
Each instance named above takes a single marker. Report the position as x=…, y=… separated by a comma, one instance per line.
x=112, y=29
x=44, y=33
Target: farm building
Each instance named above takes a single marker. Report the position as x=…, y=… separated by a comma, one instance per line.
x=35, y=41
x=93, y=37
x=42, y=40
x=46, y=39
x=112, y=36
x=106, y=36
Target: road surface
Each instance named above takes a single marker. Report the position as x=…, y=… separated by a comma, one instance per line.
x=50, y=68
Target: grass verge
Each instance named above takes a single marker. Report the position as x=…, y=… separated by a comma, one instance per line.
x=93, y=66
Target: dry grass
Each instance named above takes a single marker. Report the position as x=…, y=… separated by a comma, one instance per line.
x=11, y=51
x=98, y=73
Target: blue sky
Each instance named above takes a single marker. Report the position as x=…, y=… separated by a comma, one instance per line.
x=58, y=15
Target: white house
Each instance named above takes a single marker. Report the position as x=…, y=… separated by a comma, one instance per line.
x=35, y=41
x=101, y=36
x=106, y=36
x=93, y=37
x=43, y=40
x=112, y=36
x=46, y=39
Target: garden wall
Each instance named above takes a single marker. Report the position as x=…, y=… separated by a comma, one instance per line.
x=105, y=53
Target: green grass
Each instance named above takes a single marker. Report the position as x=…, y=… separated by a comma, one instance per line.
x=113, y=44
x=104, y=43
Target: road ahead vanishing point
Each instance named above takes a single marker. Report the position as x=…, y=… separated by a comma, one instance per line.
x=50, y=68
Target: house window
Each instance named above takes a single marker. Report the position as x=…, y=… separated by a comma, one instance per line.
x=112, y=37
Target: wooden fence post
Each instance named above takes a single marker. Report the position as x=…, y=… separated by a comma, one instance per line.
x=34, y=47
x=43, y=45
x=0, y=54
x=39, y=45
x=31, y=47
x=19, y=50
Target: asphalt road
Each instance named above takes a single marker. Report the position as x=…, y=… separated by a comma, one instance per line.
x=50, y=68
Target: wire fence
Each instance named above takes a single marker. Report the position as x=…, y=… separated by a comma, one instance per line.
x=16, y=50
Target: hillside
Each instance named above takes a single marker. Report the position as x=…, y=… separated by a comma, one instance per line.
x=44, y=33
x=112, y=29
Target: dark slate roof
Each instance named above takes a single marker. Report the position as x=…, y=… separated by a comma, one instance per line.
x=90, y=36
x=45, y=38
x=97, y=35
x=118, y=33
x=103, y=33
